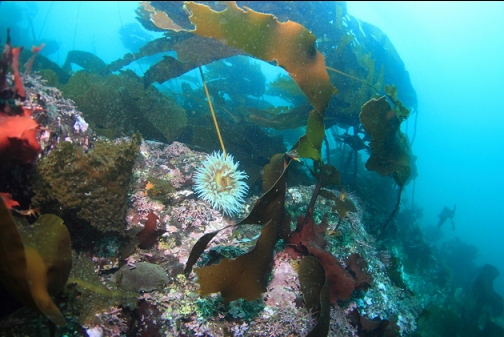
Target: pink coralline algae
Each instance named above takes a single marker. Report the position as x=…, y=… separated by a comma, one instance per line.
x=285, y=284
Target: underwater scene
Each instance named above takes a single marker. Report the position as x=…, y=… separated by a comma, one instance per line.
x=251, y=168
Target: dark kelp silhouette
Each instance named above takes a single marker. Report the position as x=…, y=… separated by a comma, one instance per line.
x=390, y=151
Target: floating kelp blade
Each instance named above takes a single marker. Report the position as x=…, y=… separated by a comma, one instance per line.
x=308, y=146
x=390, y=153
x=290, y=44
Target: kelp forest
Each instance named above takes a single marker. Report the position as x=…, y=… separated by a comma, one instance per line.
x=124, y=213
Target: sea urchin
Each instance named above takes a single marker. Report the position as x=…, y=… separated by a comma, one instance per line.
x=218, y=181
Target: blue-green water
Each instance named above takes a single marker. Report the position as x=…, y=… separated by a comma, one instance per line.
x=453, y=54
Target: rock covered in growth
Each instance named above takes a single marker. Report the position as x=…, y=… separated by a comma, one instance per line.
x=91, y=186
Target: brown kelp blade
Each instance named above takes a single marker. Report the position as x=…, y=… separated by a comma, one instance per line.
x=315, y=289
x=390, y=152
x=198, y=249
x=308, y=146
x=243, y=277
x=261, y=35
x=35, y=261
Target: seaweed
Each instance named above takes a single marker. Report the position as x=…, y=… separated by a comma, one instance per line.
x=309, y=145
x=88, y=296
x=285, y=87
x=183, y=43
x=227, y=77
x=149, y=235
x=315, y=289
x=390, y=153
x=342, y=205
x=244, y=277
x=288, y=43
x=35, y=261
x=18, y=131
x=159, y=189
x=375, y=327
x=308, y=239
x=87, y=61
x=294, y=118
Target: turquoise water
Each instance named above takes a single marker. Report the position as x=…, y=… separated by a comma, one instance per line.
x=453, y=53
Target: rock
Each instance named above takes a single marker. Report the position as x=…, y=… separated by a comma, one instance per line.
x=145, y=277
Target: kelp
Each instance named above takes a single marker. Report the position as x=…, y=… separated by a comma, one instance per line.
x=401, y=111
x=315, y=291
x=288, y=43
x=160, y=18
x=88, y=61
x=291, y=119
x=308, y=146
x=88, y=295
x=35, y=261
x=328, y=175
x=184, y=44
x=245, y=276
x=390, y=153
x=171, y=67
x=285, y=87
x=226, y=77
